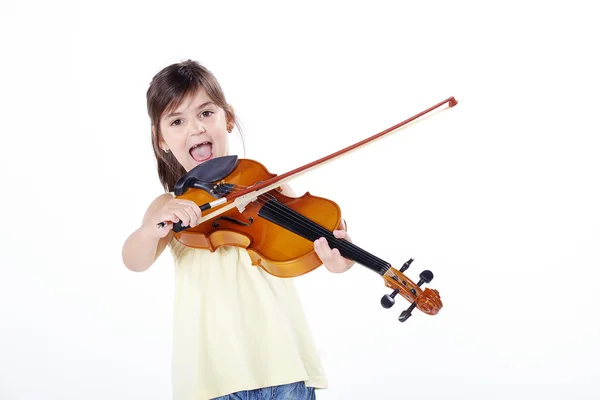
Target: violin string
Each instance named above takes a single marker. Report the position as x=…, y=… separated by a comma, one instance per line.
x=353, y=250
x=350, y=248
x=316, y=229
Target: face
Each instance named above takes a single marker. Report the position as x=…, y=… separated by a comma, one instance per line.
x=196, y=131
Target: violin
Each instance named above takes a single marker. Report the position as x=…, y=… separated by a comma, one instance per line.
x=248, y=209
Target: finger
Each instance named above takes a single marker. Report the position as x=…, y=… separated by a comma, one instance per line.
x=183, y=216
x=323, y=250
x=193, y=218
x=332, y=254
x=340, y=234
x=169, y=218
x=337, y=258
x=188, y=203
x=331, y=258
x=319, y=248
x=192, y=209
x=195, y=214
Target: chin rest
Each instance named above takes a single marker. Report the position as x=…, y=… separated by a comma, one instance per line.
x=204, y=175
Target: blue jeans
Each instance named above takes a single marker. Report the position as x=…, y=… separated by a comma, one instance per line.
x=291, y=391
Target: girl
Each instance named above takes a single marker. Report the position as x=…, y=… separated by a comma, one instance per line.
x=238, y=331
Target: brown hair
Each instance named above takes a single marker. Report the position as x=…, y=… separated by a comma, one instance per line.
x=168, y=89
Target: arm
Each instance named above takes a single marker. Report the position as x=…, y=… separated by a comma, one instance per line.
x=146, y=244
x=143, y=246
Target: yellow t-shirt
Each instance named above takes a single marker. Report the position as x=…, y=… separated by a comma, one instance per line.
x=236, y=327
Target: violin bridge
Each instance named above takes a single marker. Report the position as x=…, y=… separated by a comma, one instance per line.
x=243, y=201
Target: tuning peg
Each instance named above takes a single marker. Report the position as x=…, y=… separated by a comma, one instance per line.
x=426, y=277
x=387, y=300
x=406, y=265
x=407, y=313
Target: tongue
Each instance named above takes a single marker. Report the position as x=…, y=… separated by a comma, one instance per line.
x=201, y=152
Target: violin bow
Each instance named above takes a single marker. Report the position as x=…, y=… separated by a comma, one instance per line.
x=247, y=195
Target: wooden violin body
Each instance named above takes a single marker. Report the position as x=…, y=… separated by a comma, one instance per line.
x=277, y=250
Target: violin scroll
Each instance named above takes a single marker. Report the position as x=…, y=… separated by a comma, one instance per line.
x=427, y=300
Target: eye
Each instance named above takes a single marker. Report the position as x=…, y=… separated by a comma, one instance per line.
x=207, y=113
x=176, y=122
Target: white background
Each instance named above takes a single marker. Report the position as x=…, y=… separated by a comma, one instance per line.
x=498, y=196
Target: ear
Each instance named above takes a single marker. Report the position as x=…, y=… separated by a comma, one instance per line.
x=161, y=143
x=229, y=114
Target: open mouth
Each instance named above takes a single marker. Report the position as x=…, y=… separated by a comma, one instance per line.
x=201, y=151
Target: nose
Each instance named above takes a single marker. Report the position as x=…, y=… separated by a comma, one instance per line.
x=197, y=127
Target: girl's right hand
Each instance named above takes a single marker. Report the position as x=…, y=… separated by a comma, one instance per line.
x=173, y=211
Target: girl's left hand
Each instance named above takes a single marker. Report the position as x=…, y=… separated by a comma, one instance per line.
x=331, y=258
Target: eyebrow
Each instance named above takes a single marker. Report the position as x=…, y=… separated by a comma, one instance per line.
x=174, y=114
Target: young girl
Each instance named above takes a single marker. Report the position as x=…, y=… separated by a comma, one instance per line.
x=239, y=332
